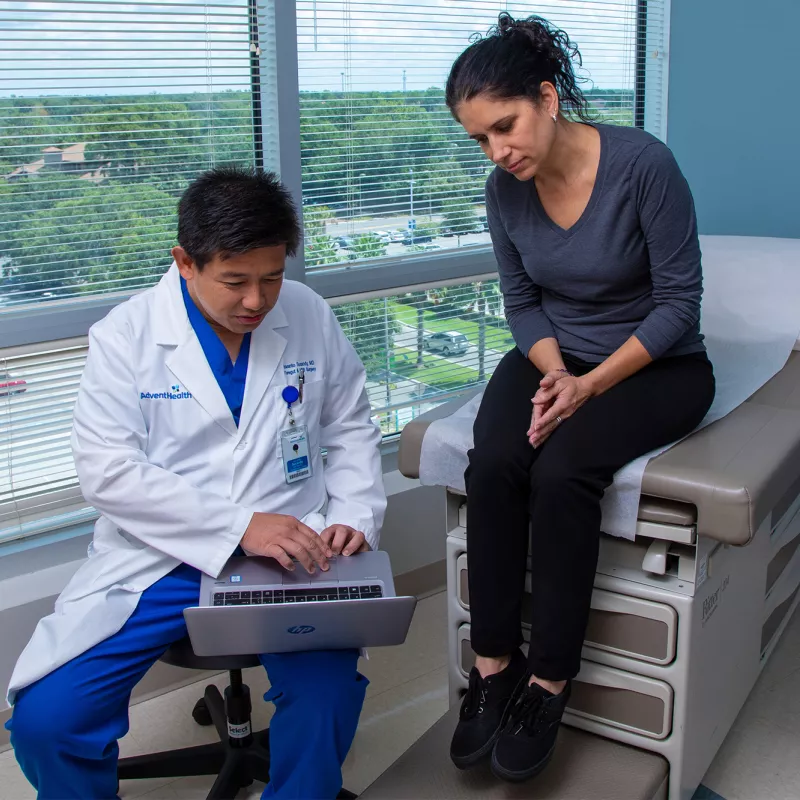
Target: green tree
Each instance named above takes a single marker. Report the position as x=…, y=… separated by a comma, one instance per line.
x=110, y=237
x=315, y=219
x=370, y=325
x=367, y=245
x=460, y=216
x=419, y=300
x=320, y=251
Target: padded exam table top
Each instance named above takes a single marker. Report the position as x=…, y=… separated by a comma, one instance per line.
x=725, y=478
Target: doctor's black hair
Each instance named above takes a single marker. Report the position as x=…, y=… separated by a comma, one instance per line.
x=513, y=60
x=229, y=211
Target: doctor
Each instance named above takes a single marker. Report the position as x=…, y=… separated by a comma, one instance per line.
x=178, y=444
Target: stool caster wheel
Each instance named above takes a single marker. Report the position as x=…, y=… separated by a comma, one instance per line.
x=201, y=714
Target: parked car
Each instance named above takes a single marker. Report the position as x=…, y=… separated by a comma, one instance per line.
x=384, y=236
x=418, y=238
x=397, y=236
x=462, y=230
x=10, y=385
x=449, y=343
x=345, y=242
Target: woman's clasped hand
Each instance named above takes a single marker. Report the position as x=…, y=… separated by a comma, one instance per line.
x=560, y=395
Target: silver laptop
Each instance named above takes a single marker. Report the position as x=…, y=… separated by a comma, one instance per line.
x=256, y=606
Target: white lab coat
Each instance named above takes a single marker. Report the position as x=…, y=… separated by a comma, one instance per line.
x=173, y=477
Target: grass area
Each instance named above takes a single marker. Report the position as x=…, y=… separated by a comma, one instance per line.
x=435, y=371
x=496, y=339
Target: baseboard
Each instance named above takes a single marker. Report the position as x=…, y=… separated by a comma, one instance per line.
x=423, y=581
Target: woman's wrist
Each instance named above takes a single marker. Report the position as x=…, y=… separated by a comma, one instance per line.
x=590, y=383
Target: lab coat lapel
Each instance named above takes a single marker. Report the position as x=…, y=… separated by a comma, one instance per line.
x=191, y=369
x=188, y=362
x=266, y=353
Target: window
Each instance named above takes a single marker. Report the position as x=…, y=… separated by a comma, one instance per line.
x=108, y=109
x=424, y=347
x=387, y=172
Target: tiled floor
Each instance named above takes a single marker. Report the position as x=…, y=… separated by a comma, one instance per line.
x=408, y=693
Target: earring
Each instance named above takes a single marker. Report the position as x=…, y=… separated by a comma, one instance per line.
x=555, y=118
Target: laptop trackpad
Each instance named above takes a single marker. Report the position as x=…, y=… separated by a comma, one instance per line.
x=302, y=578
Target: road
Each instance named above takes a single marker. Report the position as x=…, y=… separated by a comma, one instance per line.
x=407, y=337
x=398, y=222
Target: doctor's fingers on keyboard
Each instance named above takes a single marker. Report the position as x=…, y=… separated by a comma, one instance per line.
x=343, y=538
x=280, y=536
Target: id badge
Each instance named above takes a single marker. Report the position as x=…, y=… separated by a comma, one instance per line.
x=296, y=459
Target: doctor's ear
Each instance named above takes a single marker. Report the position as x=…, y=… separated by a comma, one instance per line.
x=185, y=263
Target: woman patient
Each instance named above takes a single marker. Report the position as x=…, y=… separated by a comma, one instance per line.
x=594, y=231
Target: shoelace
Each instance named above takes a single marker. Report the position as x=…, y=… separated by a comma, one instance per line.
x=475, y=697
x=528, y=713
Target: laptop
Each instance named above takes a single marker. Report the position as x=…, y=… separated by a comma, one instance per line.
x=256, y=606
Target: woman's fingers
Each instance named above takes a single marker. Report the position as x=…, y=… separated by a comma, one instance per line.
x=561, y=408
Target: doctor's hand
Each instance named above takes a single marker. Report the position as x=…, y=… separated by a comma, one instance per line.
x=284, y=537
x=344, y=539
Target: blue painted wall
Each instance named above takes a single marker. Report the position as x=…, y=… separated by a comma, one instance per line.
x=734, y=112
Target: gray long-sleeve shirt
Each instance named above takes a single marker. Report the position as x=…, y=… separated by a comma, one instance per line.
x=630, y=266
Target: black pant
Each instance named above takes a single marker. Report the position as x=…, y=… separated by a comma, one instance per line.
x=554, y=492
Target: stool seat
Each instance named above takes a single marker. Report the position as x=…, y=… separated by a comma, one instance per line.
x=181, y=654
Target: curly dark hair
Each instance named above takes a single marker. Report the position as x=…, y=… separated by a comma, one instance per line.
x=513, y=60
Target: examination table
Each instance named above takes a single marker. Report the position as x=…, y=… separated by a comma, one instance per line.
x=683, y=618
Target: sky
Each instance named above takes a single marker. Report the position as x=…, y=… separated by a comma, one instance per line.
x=110, y=47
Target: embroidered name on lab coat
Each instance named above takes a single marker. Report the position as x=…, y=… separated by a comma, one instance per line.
x=175, y=393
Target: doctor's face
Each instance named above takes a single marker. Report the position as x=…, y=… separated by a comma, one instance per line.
x=238, y=292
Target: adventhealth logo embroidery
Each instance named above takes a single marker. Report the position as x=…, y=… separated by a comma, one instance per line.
x=175, y=393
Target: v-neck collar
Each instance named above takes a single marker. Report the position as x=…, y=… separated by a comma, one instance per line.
x=597, y=190
x=231, y=377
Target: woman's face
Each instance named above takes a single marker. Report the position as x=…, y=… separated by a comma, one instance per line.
x=516, y=134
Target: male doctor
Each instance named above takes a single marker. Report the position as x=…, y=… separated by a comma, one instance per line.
x=177, y=440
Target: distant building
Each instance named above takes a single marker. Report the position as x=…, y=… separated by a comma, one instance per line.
x=70, y=159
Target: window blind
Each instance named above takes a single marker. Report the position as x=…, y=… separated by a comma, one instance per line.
x=386, y=170
x=38, y=387
x=419, y=348
x=107, y=110
x=422, y=348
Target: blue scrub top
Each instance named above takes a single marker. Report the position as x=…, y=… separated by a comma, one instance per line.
x=230, y=377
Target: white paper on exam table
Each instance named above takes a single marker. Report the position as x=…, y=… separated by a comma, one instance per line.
x=751, y=321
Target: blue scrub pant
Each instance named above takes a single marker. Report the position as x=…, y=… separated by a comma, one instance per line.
x=65, y=727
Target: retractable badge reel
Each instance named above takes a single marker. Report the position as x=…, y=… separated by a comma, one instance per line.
x=294, y=442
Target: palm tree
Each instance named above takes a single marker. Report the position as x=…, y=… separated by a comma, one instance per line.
x=418, y=300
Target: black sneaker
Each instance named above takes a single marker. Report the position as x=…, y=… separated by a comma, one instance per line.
x=484, y=711
x=528, y=740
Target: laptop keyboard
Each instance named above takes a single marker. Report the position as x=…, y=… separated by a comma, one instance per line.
x=278, y=596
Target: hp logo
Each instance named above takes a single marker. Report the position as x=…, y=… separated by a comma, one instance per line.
x=301, y=629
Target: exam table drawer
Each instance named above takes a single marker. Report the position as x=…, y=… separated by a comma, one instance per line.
x=605, y=695
x=626, y=626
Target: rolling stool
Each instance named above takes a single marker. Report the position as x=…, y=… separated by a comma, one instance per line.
x=239, y=757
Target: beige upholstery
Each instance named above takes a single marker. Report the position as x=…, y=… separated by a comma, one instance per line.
x=726, y=478
x=584, y=766
x=408, y=456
